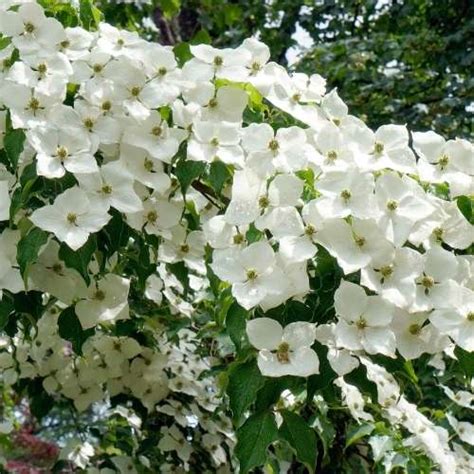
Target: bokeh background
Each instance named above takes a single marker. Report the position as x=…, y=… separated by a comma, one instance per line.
x=393, y=61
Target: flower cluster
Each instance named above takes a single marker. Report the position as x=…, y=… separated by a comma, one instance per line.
x=134, y=183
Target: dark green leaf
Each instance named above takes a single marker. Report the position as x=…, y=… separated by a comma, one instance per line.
x=188, y=171
x=79, y=259
x=245, y=381
x=29, y=247
x=40, y=402
x=253, y=439
x=13, y=142
x=170, y=7
x=270, y=393
x=465, y=206
x=466, y=360
x=6, y=308
x=69, y=328
x=218, y=174
x=89, y=14
x=358, y=433
x=235, y=323
x=300, y=437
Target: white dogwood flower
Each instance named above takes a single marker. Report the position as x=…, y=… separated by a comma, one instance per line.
x=283, y=351
x=72, y=217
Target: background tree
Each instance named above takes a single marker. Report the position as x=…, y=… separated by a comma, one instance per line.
x=399, y=61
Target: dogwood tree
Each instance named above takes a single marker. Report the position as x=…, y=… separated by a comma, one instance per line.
x=219, y=268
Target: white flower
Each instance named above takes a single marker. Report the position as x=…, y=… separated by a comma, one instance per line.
x=113, y=186
x=413, y=336
x=441, y=161
x=346, y=193
x=364, y=321
x=353, y=399
x=153, y=287
x=393, y=276
x=252, y=271
x=30, y=29
x=457, y=321
x=286, y=150
x=77, y=452
x=60, y=150
x=464, y=429
x=50, y=274
x=283, y=351
x=354, y=246
x=107, y=301
x=72, y=217
x=386, y=148
x=145, y=168
x=228, y=105
x=213, y=141
x=402, y=204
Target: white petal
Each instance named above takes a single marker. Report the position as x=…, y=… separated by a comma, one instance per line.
x=264, y=333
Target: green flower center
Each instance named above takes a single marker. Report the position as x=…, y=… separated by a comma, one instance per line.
x=88, y=123
x=148, y=165
x=238, y=238
x=62, y=153
x=414, y=329
x=378, y=148
x=273, y=145
x=264, y=202
x=152, y=217
x=251, y=274
x=135, y=91
x=29, y=27
x=443, y=161
x=72, y=218
x=283, y=353
x=361, y=324
x=99, y=295
x=346, y=194
x=34, y=104
x=392, y=205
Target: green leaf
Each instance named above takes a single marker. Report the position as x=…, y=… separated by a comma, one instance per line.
x=253, y=439
x=300, y=437
x=89, y=14
x=202, y=36
x=270, y=393
x=170, y=7
x=4, y=42
x=218, y=174
x=28, y=248
x=79, y=259
x=41, y=402
x=235, y=323
x=465, y=205
x=69, y=328
x=188, y=171
x=6, y=308
x=13, y=143
x=245, y=381
x=466, y=360
x=358, y=433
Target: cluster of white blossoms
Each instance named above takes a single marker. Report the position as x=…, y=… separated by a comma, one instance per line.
x=117, y=116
